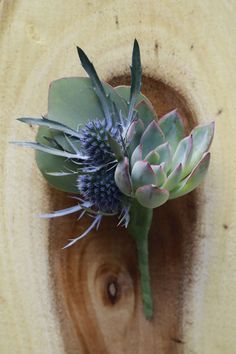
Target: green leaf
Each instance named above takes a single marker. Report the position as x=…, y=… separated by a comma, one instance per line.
x=173, y=179
x=50, y=124
x=152, y=137
x=136, y=155
x=142, y=174
x=152, y=157
x=98, y=87
x=72, y=102
x=160, y=173
x=150, y=196
x=183, y=153
x=146, y=112
x=165, y=153
x=136, y=76
x=172, y=126
x=134, y=134
x=202, y=138
x=194, y=179
x=122, y=177
x=115, y=147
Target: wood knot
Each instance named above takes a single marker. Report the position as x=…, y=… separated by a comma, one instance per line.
x=113, y=290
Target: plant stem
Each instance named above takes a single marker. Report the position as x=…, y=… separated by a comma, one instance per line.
x=139, y=226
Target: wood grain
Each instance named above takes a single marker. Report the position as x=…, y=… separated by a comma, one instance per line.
x=87, y=299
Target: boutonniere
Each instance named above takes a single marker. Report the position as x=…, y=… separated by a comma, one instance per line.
x=106, y=146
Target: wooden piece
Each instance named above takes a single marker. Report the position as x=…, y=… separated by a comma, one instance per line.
x=86, y=299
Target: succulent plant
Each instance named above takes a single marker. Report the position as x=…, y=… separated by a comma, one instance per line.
x=106, y=146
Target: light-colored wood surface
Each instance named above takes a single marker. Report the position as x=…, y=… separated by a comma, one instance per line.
x=54, y=301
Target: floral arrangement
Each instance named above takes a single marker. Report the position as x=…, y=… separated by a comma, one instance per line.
x=106, y=146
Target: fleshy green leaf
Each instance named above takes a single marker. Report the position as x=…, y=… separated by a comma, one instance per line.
x=160, y=173
x=134, y=134
x=122, y=177
x=142, y=174
x=172, y=126
x=165, y=154
x=173, y=179
x=194, y=179
x=152, y=137
x=146, y=112
x=183, y=153
x=152, y=157
x=202, y=138
x=151, y=197
x=136, y=155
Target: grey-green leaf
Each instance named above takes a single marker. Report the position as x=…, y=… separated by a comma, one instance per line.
x=142, y=174
x=194, y=179
x=152, y=137
x=172, y=126
x=122, y=177
x=151, y=197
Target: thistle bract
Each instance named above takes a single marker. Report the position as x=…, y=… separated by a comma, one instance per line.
x=106, y=146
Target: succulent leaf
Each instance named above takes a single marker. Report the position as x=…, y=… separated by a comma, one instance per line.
x=151, y=196
x=183, y=153
x=152, y=137
x=152, y=157
x=194, y=179
x=146, y=112
x=174, y=178
x=165, y=153
x=122, y=177
x=160, y=173
x=134, y=134
x=202, y=138
x=136, y=155
x=142, y=174
x=172, y=126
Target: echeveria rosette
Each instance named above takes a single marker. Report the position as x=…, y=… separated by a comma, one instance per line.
x=106, y=146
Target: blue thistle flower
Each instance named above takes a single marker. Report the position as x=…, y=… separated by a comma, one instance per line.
x=94, y=141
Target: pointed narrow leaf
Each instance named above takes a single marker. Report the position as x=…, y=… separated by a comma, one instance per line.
x=173, y=179
x=137, y=155
x=136, y=75
x=47, y=149
x=99, y=89
x=202, y=138
x=151, y=197
x=142, y=174
x=122, y=177
x=44, y=122
x=165, y=154
x=194, y=179
x=151, y=138
x=172, y=126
